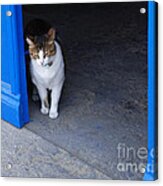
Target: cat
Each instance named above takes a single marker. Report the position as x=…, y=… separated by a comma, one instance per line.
x=46, y=64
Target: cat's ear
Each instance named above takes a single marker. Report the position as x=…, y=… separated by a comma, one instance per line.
x=51, y=35
x=30, y=42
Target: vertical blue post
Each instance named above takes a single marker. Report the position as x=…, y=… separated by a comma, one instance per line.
x=151, y=168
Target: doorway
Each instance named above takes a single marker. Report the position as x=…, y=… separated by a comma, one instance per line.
x=104, y=100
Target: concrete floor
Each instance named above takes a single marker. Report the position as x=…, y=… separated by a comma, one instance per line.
x=104, y=101
x=26, y=154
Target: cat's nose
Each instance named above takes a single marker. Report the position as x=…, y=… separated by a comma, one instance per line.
x=42, y=62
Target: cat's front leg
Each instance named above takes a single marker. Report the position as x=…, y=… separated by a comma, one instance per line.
x=44, y=99
x=55, y=96
x=35, y=96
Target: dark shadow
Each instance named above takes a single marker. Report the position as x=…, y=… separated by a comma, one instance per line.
x=104, y=101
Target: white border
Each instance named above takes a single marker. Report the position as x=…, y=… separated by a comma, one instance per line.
x=56, y=182
x=59, y=1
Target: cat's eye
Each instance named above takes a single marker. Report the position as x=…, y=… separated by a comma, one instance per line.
x=45, y=54
x=36, y=56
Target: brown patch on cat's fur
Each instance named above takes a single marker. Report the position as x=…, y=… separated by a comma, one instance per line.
x=51, y=50
x=33, y=52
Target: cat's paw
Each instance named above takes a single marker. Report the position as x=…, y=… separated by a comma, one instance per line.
x=53, y=115
x=44, y=111
x=35, y=97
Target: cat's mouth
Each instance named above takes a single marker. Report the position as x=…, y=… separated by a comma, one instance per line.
x=48, y=64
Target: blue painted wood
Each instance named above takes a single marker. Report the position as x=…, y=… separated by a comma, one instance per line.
x=151, y=168
x=14, y=89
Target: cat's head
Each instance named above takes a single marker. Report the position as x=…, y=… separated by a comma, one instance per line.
x=42, y=48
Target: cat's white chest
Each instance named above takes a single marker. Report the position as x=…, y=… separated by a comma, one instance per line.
x=46, y=77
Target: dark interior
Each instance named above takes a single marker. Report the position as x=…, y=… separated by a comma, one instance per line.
x=104, y=100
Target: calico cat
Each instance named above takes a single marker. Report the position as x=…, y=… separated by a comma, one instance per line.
x=46, y=64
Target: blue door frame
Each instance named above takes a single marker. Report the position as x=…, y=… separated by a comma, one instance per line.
x=151, y=168
x=14, y=101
